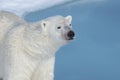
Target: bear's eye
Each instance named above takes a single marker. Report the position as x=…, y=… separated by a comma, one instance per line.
x=59, y=27
x=70, y=24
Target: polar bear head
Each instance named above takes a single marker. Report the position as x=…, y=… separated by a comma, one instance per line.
x=56, y=30
x=59, y=29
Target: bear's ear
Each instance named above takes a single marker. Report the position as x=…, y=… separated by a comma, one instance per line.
x=44, y=24
x=69, y=18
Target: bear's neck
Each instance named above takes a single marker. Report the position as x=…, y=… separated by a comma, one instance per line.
x=40, y=49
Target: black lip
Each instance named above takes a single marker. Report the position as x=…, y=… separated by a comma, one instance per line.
x=71, y=39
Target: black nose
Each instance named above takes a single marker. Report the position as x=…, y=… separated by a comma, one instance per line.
x=71, y=35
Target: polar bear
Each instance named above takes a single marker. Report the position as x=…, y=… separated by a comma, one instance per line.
x=27, y=50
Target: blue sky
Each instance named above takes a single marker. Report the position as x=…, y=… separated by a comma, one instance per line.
x=95, y=52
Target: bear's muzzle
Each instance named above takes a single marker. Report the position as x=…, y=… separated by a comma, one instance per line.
x=70, y=35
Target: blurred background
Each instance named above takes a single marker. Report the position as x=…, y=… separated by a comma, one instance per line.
x=95, y=52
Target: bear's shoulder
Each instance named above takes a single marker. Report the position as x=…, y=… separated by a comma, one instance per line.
x=8, y=16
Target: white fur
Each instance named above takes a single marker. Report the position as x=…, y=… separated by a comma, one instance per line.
x=28, y=49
